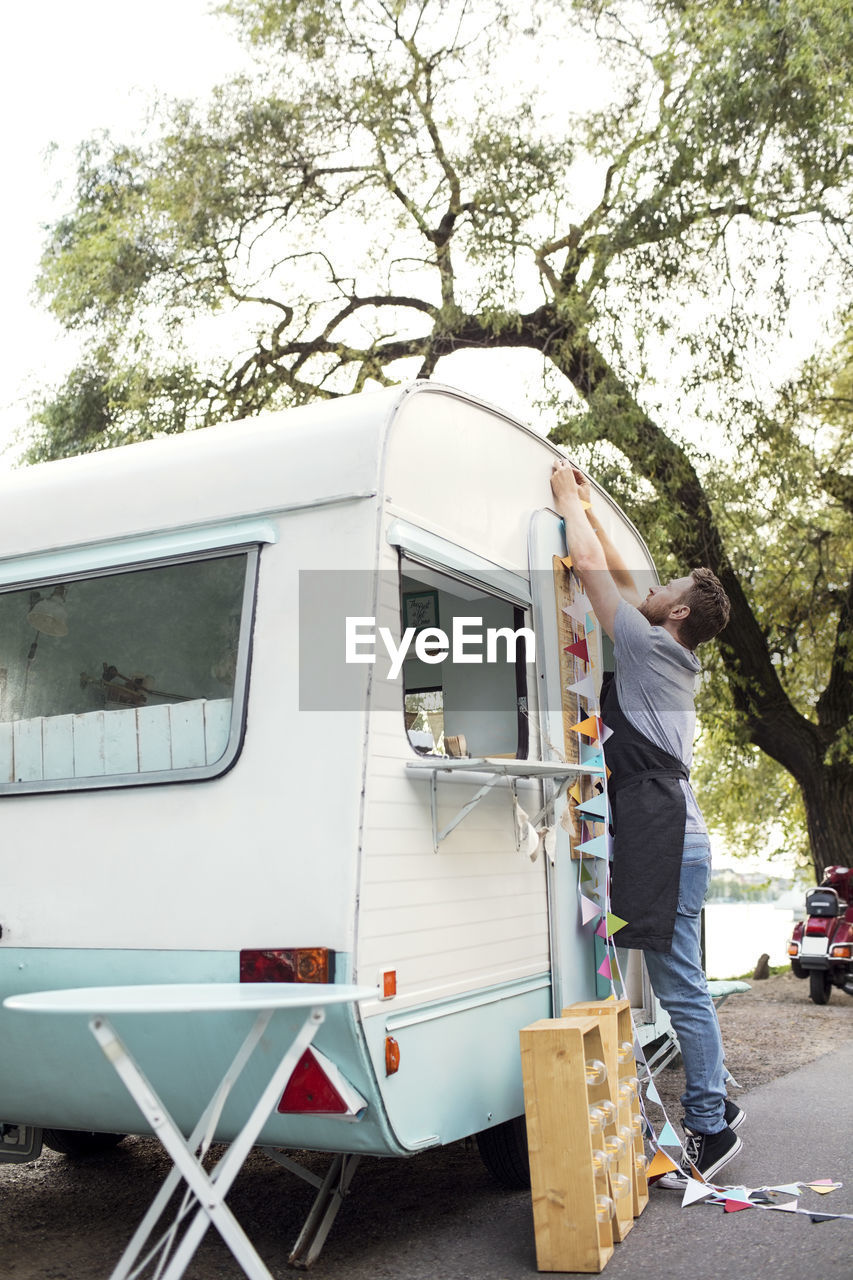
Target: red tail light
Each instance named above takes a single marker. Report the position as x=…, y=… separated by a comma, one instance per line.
x=288, y=964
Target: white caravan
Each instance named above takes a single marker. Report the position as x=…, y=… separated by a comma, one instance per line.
x=196, y=785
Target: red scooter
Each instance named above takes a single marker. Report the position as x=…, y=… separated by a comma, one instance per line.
x=822, y=946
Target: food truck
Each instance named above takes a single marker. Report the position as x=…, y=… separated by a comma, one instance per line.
x=290, y=699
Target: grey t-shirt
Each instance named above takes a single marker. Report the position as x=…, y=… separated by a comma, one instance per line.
x=656, y=683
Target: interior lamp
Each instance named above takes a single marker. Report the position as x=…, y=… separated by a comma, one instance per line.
x=48, y=613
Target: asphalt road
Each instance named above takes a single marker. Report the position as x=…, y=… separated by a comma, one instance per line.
x=440, y=1216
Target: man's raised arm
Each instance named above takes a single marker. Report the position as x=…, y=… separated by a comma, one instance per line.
x=605, y=576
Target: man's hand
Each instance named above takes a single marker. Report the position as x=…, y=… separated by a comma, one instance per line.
x=566, y=483
x=596, y=560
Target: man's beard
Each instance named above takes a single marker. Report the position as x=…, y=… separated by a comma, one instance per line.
x=654, y=610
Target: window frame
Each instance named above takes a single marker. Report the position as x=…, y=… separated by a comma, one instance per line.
x=520, y=602
x=239, y=700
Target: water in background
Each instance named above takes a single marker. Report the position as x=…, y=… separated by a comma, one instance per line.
x=737, y=933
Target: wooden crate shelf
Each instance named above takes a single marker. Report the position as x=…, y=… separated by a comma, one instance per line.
x=565, y=1182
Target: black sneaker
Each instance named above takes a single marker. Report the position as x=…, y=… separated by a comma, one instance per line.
x=734, y=1115
x=706, y=1152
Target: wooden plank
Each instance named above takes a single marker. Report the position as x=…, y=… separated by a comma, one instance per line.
x=7, y=755
x=89, y=744
x=564, y=1183
x=153, y=730
x=186, y=722
x=27, y=748
x=217, y=728
x=121, y=748
x=58, y=747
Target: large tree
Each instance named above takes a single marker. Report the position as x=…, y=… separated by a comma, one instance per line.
x=617, y=187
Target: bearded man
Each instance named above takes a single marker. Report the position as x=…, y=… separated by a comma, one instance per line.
x=661, y=852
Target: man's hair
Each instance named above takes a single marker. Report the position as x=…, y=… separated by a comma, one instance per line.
x=709, y=609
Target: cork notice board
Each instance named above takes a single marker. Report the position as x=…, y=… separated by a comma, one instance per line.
x=567, y=590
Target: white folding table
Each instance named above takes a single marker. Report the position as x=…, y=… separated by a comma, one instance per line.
x=207, y=1191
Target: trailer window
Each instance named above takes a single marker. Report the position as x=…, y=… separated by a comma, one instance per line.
x=124, y=677
x=460, y=705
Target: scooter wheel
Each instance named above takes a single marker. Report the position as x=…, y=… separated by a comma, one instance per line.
x=820, y=986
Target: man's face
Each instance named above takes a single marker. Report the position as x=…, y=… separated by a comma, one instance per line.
x=661, y=600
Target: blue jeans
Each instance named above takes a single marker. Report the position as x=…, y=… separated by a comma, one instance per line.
x=680, y=985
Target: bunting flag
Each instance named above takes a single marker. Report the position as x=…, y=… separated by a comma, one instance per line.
x=668, y=1137
x=596, y=807
x=695, y=1190
x=735, y=1206
x=594, y=848
x=586, y=874
x=579, y=649
x=590, y=727
x=589, y=909
x=652, y=1094
x=592, y=758
x=578, y=609
x=576, y=793
x=608, y=925
x=606, y=972
x=660, y=1165
x=584, y=688
x=823, y=1186
x=605, y=733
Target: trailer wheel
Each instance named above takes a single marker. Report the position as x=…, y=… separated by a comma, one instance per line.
x=820, y=986
x=75, y=1143
x=503, y=1151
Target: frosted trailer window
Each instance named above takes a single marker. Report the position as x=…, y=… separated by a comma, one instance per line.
x=130, y=675
x=478, y=709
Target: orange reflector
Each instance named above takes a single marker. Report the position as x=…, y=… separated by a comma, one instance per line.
x=389, y=983
x=793, y=948
x=841, y=951
x=392, y=1056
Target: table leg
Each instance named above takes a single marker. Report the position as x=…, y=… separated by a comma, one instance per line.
x=209, y=1192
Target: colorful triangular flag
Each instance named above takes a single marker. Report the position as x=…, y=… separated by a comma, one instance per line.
x=660, y=1165
x=594, y=848
x=589, y=909
x=695, y=1190
x=668, y=1137
x=579, y=608
x=735, y=1206
x=614, y=924
x=652, y=1094
x=596, y=807
x=579, y=649
x=592, y=758
x=584, y=688
x=586, y=874
x=605, y=970
x=589, y=728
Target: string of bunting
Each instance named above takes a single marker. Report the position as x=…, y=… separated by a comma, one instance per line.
x=593, y=890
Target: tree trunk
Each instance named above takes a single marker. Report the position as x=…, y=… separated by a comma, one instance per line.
x=828, y=797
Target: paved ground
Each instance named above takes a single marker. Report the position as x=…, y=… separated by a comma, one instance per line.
x=440, y=1217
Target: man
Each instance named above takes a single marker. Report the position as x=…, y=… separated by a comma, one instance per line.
x=661, y=855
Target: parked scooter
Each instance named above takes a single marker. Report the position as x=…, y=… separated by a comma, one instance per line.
x=821, y=948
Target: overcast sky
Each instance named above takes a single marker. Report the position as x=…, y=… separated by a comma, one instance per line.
x=70, y=68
